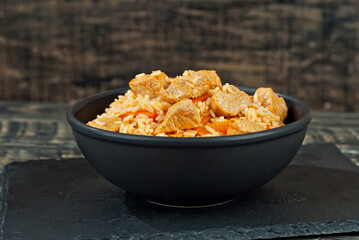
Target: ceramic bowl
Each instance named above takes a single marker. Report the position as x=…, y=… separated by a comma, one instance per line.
x=187, y=171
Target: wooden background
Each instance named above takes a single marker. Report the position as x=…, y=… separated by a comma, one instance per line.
x=63, y=50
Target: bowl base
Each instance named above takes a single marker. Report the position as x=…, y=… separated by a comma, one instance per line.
x=155, y=202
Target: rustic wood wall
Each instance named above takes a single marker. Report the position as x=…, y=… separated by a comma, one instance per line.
x=63, y=50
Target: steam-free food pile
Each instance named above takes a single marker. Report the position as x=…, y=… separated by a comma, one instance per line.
x=195, y=104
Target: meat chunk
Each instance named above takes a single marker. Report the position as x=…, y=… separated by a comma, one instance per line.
x=230, y=104
x=268, y=99
x=213, y=78
x=179, y=89
x=180, y=116
x=200, y=83
x=241, y=126
x=152, y=85
x=192, y=84
x=220, y=127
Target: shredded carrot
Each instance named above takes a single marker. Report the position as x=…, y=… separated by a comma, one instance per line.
x=220, y=126
x=175, y=135
x=206, y=119
x=201, y=131
x=147, y=113
x=201, y=98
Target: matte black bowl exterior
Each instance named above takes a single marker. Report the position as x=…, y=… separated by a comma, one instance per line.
x=187, y=171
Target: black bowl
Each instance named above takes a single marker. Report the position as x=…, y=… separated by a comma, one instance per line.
x=187, y=171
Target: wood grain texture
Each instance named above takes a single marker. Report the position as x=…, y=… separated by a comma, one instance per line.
x=63, y=50
x=40, y=131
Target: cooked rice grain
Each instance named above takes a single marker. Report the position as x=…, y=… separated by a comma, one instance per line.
x=129, y=103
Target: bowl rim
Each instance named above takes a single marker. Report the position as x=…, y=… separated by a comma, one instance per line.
x=187, y=142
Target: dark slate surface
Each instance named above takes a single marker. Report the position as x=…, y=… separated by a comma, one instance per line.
x=67, y=199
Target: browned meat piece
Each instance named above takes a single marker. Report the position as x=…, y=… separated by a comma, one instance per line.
x=180, y=116
x=192, y=84
x=105, y=123
x=213, y=78
x=230, y=104
x=241, y=126
x=152, y=85
x=267, y=98
x=180, y=88
x=201, y=84
x=233, y=89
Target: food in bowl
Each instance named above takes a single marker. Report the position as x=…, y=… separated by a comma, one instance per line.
x=193, y=104
x=192, y=171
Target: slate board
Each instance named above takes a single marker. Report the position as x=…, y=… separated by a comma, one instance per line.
x=317, y=194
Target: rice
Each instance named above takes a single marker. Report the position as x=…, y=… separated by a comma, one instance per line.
x=140, y=75
x=212, y=113
x=137, y=114
x=143, y=125
x=189, y=134
x=211, y=130
x=226, y=88
x=259, y=114
x=99, y=122
x=155, y=73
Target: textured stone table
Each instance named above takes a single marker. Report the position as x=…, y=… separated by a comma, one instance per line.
x=40, y=131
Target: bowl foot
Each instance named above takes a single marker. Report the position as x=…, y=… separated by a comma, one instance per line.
x=155, y=202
